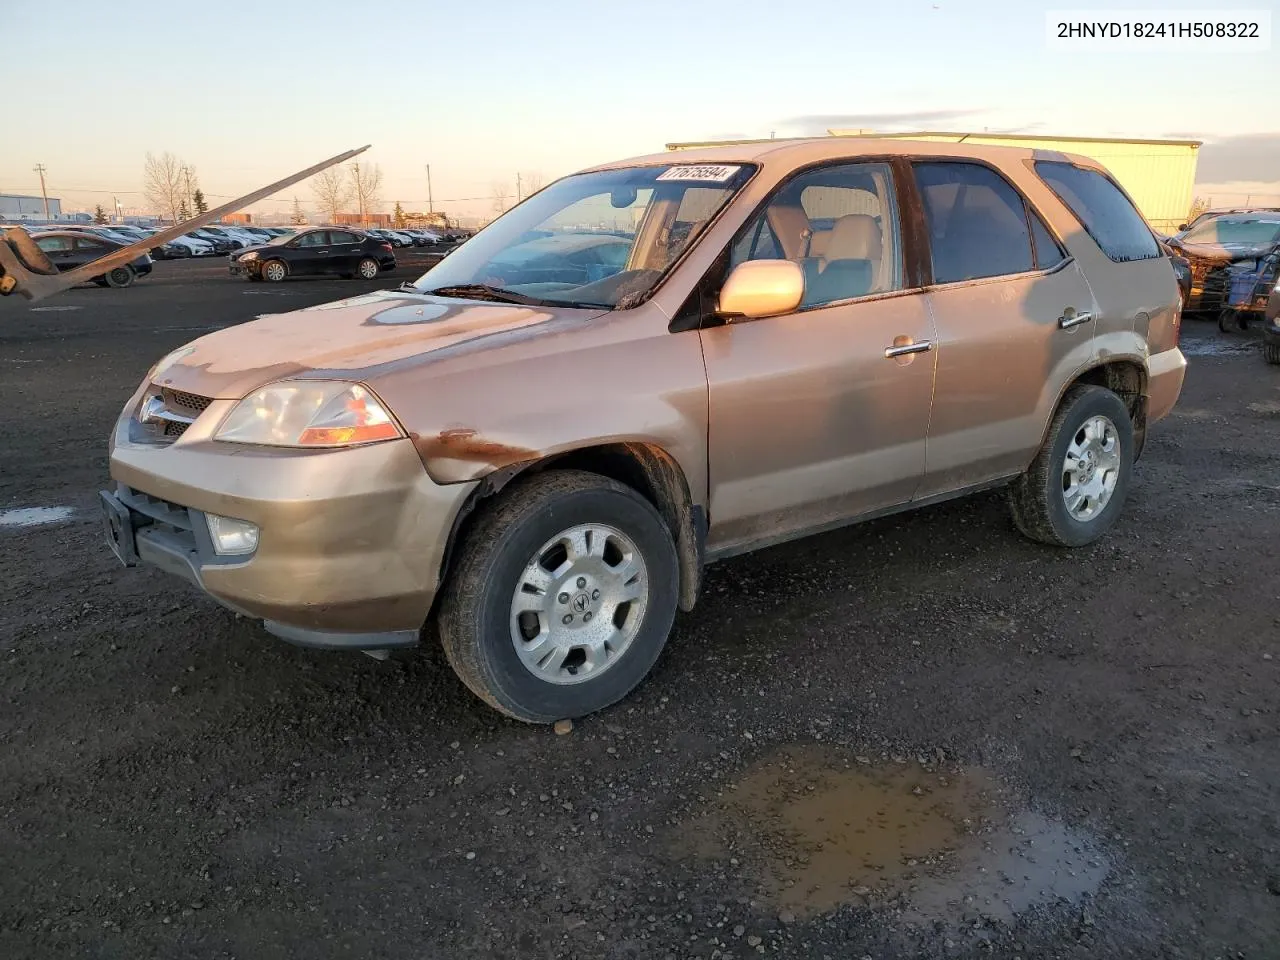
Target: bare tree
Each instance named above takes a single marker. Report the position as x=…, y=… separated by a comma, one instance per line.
x=332, y=190
x=165, y=184
x=533, y=182
x=500, y=190
x=366, y=181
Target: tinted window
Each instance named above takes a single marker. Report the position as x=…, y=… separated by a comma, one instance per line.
x=317, y=239
x=977, y=222
x=839, y=224
x=1104, y=211
x=337, y=236
x=1244, y=229
x=51, y=244
x=1048, y=251
x=85, y=243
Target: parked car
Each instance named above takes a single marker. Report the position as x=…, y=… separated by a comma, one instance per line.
x=315, y=252
x=1234, y=258
x=423, y=238
x=542, y=459
x=393, y=238
x=68, y=249
x=1271, y=327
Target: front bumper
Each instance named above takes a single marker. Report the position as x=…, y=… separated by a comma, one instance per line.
x=351, y=542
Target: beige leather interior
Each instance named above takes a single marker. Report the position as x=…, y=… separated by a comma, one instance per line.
x=791, y=227
x=855, y=236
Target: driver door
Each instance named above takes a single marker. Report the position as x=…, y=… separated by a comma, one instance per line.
x=822, y=414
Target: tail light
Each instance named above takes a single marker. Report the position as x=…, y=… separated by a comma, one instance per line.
x=385, y=246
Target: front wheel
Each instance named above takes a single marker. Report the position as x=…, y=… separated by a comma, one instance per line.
x=1075, y=489
x=563, y=597
x=368, y=269
x=274, y=271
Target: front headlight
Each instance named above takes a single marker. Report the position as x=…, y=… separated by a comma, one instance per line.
x=251, y=255
x=309, y=413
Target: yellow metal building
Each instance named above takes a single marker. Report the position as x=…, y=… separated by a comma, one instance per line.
x=1158, y=174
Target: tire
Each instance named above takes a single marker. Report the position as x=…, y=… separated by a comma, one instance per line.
x=273, y=271
x=367, y=269
x=1039, y=498
x=119, y=277
x=1226, y=320
x=1271, y=351
x=478, y=620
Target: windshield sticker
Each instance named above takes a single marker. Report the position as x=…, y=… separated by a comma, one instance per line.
x=706, y=172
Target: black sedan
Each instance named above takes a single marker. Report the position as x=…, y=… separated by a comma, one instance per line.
x=1233, y=257
x=311, y=253
x=68, y=249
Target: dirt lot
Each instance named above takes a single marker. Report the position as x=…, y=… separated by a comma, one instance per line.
x=924, y=736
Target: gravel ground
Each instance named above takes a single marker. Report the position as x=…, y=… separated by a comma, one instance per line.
x=176, y=783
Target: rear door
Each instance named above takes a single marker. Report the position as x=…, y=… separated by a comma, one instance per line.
x=1015, y=321
x=344, y=252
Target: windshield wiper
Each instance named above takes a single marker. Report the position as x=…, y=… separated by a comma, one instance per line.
x=484, y=291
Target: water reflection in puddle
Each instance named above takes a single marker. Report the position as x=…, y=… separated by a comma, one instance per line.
x=818, y=830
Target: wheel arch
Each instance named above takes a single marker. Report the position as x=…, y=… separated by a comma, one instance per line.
x=1126, y=378
x=644, y=467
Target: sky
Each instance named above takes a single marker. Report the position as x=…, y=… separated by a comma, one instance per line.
x=248, y=93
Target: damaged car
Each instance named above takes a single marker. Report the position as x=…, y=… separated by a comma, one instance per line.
x=1234, y=259
x=537, y=447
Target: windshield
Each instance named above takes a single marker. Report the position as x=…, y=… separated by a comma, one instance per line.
x=1245, y=230
x=600, y=239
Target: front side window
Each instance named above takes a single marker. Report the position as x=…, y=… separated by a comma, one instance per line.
x=1244, y=229
x=603, y=239
x=840, y=224
x=1102, y=209
x=317, y=239
x=977, y=222
x=53, y=244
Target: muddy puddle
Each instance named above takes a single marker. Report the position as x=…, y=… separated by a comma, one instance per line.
x=814, y=829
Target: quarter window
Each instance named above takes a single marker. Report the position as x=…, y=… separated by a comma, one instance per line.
x=1102, y=209
x=1049, y=252
x=977, y=222
x=840, y=224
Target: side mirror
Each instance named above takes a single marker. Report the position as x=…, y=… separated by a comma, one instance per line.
x=762, y=288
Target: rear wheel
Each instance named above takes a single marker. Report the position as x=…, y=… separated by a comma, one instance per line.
x=1075, y=489
x=273, y=271
x=563, y=597
x=367, y=269
x=1271, y=351
x=119, y=277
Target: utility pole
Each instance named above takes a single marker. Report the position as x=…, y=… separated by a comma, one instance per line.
x=518, y=194
x=359, y=193
x=39, y=168
x=430, y=206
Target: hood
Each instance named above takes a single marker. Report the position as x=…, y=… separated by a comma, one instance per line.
x=347, y=338
x=256, y=246
x=1224, y=252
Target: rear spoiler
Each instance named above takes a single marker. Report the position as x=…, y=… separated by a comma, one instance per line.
x=25, y=270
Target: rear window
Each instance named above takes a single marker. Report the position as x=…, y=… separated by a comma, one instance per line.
x=1102, y=209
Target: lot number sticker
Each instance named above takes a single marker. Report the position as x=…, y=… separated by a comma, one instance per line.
x=706, y=172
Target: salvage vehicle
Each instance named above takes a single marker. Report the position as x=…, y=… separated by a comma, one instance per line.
x=1271, y=327
x=314, y=252
x=68, y=249
x=1233, y=257
x=540, y=462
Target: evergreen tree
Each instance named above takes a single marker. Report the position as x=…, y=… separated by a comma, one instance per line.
x=99, y=215
x=198, y=200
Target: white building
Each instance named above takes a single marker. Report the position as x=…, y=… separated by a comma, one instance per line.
x=14, y=206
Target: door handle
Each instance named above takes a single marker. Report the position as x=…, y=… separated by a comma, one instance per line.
x=1071, y=319
x=901, y=350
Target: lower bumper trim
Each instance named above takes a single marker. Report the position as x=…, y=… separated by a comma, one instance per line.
x=303, y=637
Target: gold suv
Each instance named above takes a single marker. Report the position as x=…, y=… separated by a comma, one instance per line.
x=641, y=369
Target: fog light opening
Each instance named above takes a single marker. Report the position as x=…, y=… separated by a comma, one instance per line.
x=232, y=538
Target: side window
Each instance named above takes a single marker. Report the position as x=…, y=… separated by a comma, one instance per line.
x=977, y=222
x=84, y=243
x=1049, y=252
x=319, y=238
x=1102, y=209
x=840, y=224
x=53, y=244
x=337, y=236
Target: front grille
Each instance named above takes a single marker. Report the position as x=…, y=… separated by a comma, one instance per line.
x=186, y=404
